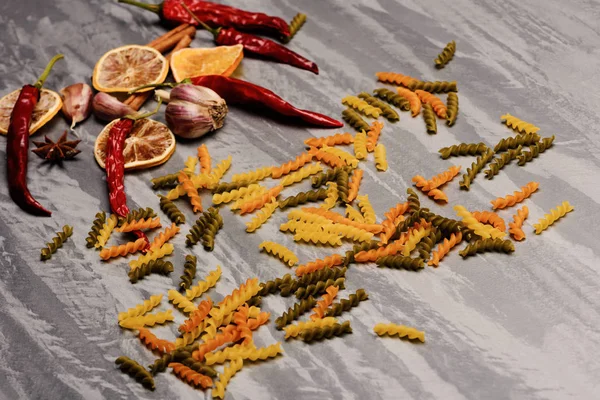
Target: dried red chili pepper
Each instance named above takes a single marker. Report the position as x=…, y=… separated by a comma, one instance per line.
x=216, y=15
x=236, y=91
x=256, y=45
x=17, y=144
x=115, y=165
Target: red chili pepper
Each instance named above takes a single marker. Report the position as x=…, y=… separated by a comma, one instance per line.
x=257, y=45
x=17, y=144
x=236, y=91
x=115, y=165
x=216, y=15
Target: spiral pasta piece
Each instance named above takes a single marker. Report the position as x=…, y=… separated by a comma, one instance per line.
x=413, y=100
x=444, y=248
x=326, y=332
x=321, y=238
x=333, y=140
x=106, y=231
x=136, y=371
x=303, y=198
x=438, y=180
x=303, y=216
x=262, y=216
x=92, y=237
x=228, y=353
x=535, y=150
x=197, y=316
x=489, y=217
x=354, y=120
x=189, y=271
x=429, y=118
x=373, y=255
x=328, y=158
x=169, y=208
x=318, y=288
x=272, y=286
x=134, y=215
x=189, y=166
x=122, y=250
x=213, y=226
x=153, y=343
x=164, y=236
x=290, y=166
x=279, y=251
x=239, y=296
x=394, y=78
x=199, y=181
x=147, y=320
x=181, y=302
x=240, y=319
x=485, y=245
x=294, y=226
x=349, y=232
x=292, y=331
x=360, y=145
x=332, y=196
x=295, y=312
x=335, y=217
x=165, y=181
x=463, y=149
x=225, y=377
x=142, y=224
x=481, y=230
x=373, y=135
x=446, y=55
x=554, y=215
x=212, y=343
x=324, y=303
x=190, y=376
x=228, y=197
x=57, y=242
x=319, y=264
x=142, y=308
x=400, y=331
x=191, y=191
x=301, y=174
x=452, y=108
x=346, y=157
x=257, y=175
x=354, y=184
x=342, y=181
x=438, y=105
x=400, y=262
x=434, y=87
x=413, y=239
x=353, y=214
x=197, y=230
x=204, y=158
x=392, y=98
x=163, y=251
x=516, y=197
x=499, y=162
x=518, y=125
x=218, y=172
x=257, y=202
x=263, y=353
x=381, y=157
x=516, y=227
x=223, y=187
x=386, y=111
x=475, y=168
x=255, y=195
x=367, y=209
x=295, y=25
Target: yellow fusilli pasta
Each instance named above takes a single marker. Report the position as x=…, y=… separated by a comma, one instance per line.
x=518, y=125
x=366, y=209
x=362, y=106
x=554, y=215
x=301, y=174
x=224, y=378
x=318, y=238
x=332, y=196
x=400, y=330
x=106, y=230
x=292, y=331
x=190, y=165
x=279, y=251
x=142, y=308
x=219, y=171
x=346, y=157
x=152, y=255
x=360, y=145
x=381, y=157
x=181, y=302
x=227, y=197
x=257, y=175
x=203, y=286
x=415, y=236
x=147, y=320
x=354, y=215
x=262, y=216
x=481, y=230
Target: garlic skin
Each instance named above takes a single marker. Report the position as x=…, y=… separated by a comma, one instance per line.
x=108, y=108
x=77, y=99
x=194, y=111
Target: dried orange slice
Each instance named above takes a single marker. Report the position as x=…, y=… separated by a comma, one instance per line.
x=129, y=67
x=150, y=143
x=47, y=107
x=222, y=60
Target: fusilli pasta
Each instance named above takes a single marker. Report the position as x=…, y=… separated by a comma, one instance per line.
x=554, y=215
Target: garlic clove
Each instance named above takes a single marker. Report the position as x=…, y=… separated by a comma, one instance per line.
x=76, y=102
x=194, y=111
x=108, y=108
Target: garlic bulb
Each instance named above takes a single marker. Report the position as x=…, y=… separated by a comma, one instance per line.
x=108, y=108
x=76, y=102
x=194, y=110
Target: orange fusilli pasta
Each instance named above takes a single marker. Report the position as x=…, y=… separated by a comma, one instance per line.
x=191, y=191
x=122, y=250
x=395, y=78
x=204, y=157
x=150, y=340
x=444, y=248
x=302, y=159
x=327, y=262
x=436, y=103
x=516, y=227
x=334, y=140
x=354, y=184
x=413, y=100
x=516, y=197
x=373, y=135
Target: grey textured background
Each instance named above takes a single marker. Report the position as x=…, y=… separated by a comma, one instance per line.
x=519, y=326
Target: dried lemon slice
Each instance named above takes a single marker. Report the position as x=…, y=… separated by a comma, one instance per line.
x=47, y=107
x=150, y=143
x=129, y=67
x=222, y=60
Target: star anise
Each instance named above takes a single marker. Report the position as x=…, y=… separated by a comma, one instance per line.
x=61, y=150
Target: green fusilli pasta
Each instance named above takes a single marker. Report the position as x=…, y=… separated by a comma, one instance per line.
x=229, y=186
x=513, y=142
x=463, y=149
x=401, y=262
x=166, y=181
x=213, y=226
x=393, y=98
x=56, y=243
x=322, y=275
x=426, y=244
x=136, y=215
x=318, y=288
x=355, y=120
x=295, y=312
x=429, y=117
x=475, y=168
x=303, y=198
x=344, y=305
x=136, y=371
x=160, y=364
x=169, y=208
x=295, y=24
x=152, y=267
x=97, y=225
x=342, y=185
x=446, y=55
x=499, y=162
x=272, y=286
x=451, y=108
x=433, y=87
x=535, y=150
x=387, y=111
x=189, y=272
x=485, y=245
x=198, y=367
x=197, y=230
x=323, y=177
x=326, y=332
x=414, y=204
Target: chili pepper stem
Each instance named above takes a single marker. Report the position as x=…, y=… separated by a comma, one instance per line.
x=160, y=85
x=155, y=8
x=145, y=115
x=215, y=32
x=42, y=79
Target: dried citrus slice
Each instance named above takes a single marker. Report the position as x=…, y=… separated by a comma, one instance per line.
x=129, y=67
x=222, y=60
x=47, y=107
x=150, y=143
